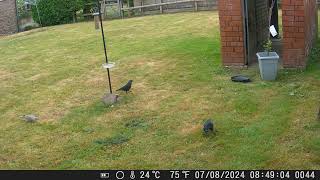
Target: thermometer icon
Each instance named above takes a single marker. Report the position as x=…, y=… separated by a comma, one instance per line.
x=132, y=176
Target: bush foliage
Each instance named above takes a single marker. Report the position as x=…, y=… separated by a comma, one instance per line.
x=56, y=12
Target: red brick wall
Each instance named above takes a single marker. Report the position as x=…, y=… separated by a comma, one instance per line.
x=8, y=18
x=231, y=30
x=299, y=31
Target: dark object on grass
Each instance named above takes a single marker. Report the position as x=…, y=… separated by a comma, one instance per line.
x=208, y=127
x=110, y=99
x=240, y=78
x=30, y=118
x=126, y=87
x=318, y=118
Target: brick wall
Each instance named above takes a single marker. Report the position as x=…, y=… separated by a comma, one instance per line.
x=299, y=31
x=8, y=18
x=231, y=30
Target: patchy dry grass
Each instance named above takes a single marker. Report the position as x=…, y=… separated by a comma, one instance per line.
x=174, y=61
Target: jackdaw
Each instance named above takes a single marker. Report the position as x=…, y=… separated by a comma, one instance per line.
x=208, y=127
x=126, y=87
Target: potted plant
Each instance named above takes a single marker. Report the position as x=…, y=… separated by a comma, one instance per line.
x=268, y=60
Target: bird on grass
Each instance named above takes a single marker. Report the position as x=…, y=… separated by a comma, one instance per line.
x=126, y=87
x=208, y=127
x=30, y=118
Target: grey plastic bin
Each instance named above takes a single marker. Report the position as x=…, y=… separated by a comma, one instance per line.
x=268, y=65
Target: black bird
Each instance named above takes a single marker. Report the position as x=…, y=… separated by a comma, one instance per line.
x=126, y=87
x=208, y=127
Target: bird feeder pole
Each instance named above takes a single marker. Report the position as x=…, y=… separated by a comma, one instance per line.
x=104, y=45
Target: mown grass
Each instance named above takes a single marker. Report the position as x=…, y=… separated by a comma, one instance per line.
x=175, y=63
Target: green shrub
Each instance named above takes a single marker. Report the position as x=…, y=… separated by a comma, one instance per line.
x=56, y=12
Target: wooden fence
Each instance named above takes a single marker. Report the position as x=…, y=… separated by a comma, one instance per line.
x=166, y=6
x=119, y=9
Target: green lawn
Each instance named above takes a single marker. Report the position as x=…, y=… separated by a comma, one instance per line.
x=175, y=63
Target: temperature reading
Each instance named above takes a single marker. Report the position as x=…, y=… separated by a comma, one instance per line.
x=144, y=175
x=156, y=174
x=148, y=174
x=175, y=175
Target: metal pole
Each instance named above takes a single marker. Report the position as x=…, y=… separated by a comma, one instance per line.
x=104, y=45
